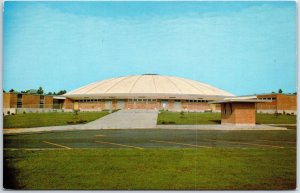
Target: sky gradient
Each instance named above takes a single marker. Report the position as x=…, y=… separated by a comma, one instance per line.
x=241, y=47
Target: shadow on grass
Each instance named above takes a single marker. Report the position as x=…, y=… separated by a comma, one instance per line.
x=10, y=176
x=216, y=121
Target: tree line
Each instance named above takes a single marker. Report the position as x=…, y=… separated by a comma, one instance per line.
x=280, y=91
x=40, y=90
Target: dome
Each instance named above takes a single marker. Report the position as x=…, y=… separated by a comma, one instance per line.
x=148, y=85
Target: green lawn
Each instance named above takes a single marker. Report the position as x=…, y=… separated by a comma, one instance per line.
x=49, y=119
x=239, y=160
x=166, y=117
x=155, y=169
x=262, y=118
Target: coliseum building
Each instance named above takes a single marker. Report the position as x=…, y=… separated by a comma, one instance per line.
x=148, y=91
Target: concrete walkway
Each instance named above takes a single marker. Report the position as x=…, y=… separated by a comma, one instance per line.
x=42, y=129
x=126, y=119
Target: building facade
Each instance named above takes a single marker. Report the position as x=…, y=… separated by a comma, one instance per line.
x=281, y=103
x=14, y=103
x=149, y=91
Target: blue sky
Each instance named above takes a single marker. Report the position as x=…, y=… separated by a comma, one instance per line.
x=241, y=47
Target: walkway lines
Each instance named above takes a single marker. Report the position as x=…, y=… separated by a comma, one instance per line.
x=57, y=145
x=104, y=142
x=262, y=145
x=186, y=144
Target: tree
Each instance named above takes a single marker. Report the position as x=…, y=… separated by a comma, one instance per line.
x=49, y=93
x=273, y=92
x=4, y=91
x=40, y=90
x=61, y=92
x=11, y=90
x=280, y=91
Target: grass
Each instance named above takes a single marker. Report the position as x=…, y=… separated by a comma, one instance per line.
x=166, y=117
x=159, y=166
x=191, y=118
x=49, y=119
x=167, y=169
x=262, y=118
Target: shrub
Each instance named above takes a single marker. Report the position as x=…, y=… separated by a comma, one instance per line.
x=76, y=111
x=81, y=121
x=182, y=114
x=70, y=122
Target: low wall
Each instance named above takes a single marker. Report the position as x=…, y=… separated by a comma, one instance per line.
x=9, y=111
x=292, y=112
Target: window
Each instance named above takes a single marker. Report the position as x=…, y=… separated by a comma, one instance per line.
x=41, y=101
x=19, y=101
x=230, y=108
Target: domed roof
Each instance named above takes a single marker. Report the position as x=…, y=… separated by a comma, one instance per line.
x=148, y=85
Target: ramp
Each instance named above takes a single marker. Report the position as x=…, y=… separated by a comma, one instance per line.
x=125, y=119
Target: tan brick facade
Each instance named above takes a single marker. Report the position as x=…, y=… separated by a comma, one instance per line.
x=68, y=104
x=30, y=101
x=280, y=103
x=10, y=100
x=48, y=102
x=172, y=105
x=238, y=113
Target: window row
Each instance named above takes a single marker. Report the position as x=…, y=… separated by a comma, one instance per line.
x=88, y=100
x=134, y=100
x=196, y=101
x=273, y=98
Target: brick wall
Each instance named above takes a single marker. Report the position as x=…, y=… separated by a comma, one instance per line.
x=30, y=101
x=130, y=104
x=6, y=100
x=238, y=113
x=286, y=102
x=280, y=102
x=68, y=104
x=48, y=101
x=91, y=105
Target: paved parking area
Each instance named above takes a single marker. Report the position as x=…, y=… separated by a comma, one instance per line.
x=152, y=138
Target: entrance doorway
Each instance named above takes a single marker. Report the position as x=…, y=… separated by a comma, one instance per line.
x=120, y=104
x=108, y=104
x=177, y=105
x=164, y=104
